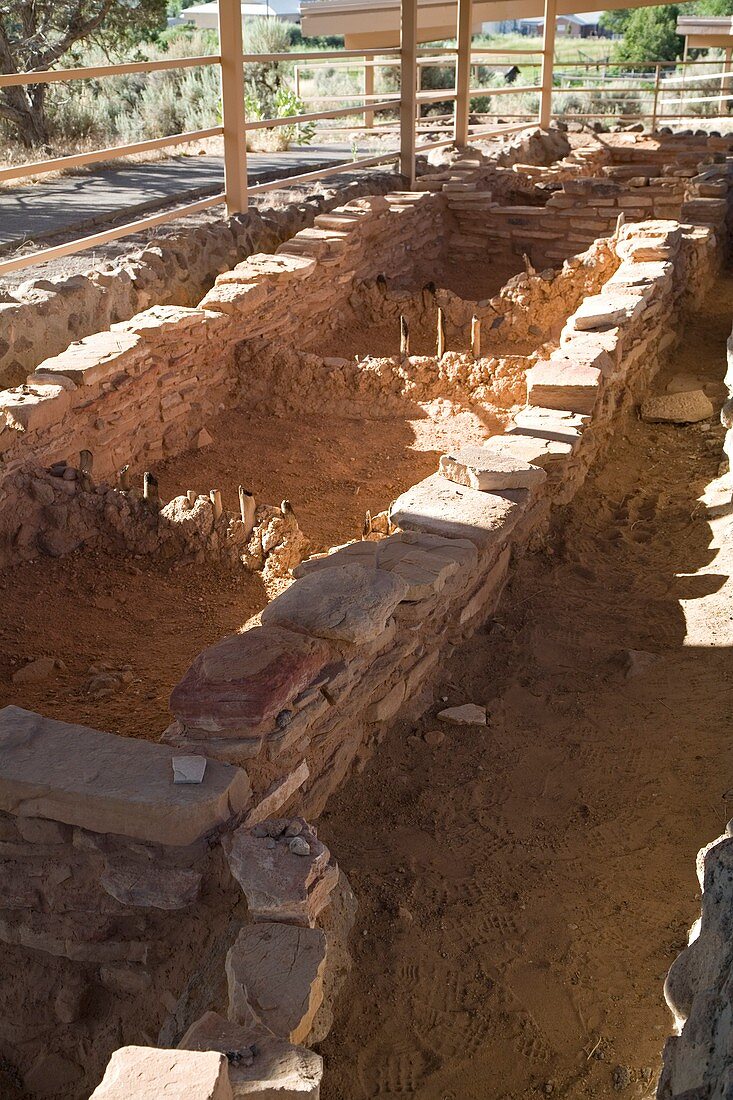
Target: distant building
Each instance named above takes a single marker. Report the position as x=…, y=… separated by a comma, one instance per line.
x=206, y=16
x=583, y=25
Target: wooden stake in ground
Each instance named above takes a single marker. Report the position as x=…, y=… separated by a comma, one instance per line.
x=476, y=337
x=620, y=220
x=404, y=337
x=528, y=265
x=440, y=343
x=215, y=498
x=192, y=495
x=123, y=479
x=150, y=487
x=247, y=509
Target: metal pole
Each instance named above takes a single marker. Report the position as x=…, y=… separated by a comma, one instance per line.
x=232, y=98
x=463, y=71
x=548, y=57
x=656, y=98
x=408, y=88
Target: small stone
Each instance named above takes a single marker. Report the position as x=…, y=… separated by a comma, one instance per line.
x=203, y=439
x=295, y=828
x=622, y=1078
x=35, y=672
x=69, y=474
x=434, y=738
x=467, y=715
x=270, y=842
x=677, y=408
x=299, y=847
x=188, y=769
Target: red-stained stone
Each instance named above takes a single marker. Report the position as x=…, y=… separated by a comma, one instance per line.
x=240, y=685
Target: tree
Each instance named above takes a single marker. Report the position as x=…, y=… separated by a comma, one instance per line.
x=651, y=35
x=615, y=21
x=35, y=34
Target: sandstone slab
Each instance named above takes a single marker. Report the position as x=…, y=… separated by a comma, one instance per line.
x=563, y=384
x=109, y=784
x=440, y=507
x=349, y=603
x=686, y=407
x=144, y=1073
x=93, y=359
x=278, y=794
x=238, y=686
x=279, y=884
x=150, y=886
x=354, y=553
x=276, y=970
x=607, y=311
x=480, y=468
x=469, y=714
x=261, y=1065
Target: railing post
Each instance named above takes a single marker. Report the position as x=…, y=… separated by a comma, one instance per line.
x=724, y=82
x=368, y=90
x=463, y=72
x=408, y=88
x=548, y=59
x=232, y=99
x=656, y=98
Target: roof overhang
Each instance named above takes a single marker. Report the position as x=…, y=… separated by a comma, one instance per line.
x=376, y=25
x=706, y=31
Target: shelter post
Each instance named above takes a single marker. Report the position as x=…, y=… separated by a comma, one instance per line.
x=463, y=71
x=408, y=88
x=548, y=58
x=232, y=101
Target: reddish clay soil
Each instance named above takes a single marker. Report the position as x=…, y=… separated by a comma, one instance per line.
x=524, y=887
x=94, y=609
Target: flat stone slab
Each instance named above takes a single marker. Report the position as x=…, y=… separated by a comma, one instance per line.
x=686, y=407
x=562, y=384
x=469, y=714
x=354, y=553
x=264, y=1066
x=93, y=359
x=109, y=784
x=440, y=507
x=145, y=1073
x=425, y=562
x=278, y=883
x=276, y=971
x=238, y=686
x=607, y=311
x=349, y=603
x=550, y=425
x=487, y=470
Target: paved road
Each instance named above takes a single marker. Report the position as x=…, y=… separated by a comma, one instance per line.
x=75, y=202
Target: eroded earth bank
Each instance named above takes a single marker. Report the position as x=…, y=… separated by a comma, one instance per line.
x=524, y=887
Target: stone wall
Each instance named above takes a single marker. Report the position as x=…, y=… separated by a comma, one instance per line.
x=430, y=583
x=697, y=1060
x=586, y=208
x=359, y=636
x=44, y=315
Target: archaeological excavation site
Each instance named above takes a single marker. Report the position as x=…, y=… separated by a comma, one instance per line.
x=365, y=679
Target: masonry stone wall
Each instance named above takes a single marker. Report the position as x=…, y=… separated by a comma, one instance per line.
x=44, y=315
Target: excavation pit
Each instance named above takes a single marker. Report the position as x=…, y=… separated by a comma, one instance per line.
x=289, y=380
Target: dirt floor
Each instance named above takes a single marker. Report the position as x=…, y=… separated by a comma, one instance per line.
x=97, y=612
x=524, y=887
